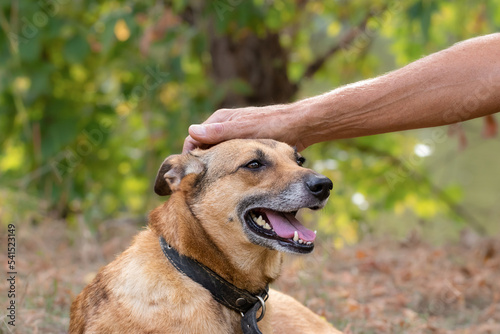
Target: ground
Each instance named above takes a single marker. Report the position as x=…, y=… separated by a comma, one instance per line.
x=376, y=286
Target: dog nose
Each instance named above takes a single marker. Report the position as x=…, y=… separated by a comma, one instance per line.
x=319, y=186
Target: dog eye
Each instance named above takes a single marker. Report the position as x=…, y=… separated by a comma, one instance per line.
x=300, y=161
x=254, y=164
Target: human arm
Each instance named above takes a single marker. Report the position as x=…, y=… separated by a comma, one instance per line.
x=450, y=86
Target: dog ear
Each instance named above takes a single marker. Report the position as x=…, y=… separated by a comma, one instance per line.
x=173, y=170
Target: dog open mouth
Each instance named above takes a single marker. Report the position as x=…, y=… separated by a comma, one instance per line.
x=282, y=227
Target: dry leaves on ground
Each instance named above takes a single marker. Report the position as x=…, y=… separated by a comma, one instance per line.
x=377, y=286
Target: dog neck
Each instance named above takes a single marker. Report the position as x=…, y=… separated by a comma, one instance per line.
x=251, y=268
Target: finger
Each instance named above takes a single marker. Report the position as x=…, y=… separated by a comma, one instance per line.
x=208, y=133
x=219, y=116
x=190, y=144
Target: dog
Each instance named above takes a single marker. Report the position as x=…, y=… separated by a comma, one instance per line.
x=204, y=263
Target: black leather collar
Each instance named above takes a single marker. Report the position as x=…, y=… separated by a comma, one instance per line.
x=224, y=292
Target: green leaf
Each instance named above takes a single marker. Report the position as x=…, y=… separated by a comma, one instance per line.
x=30, y=48
x=76, y=49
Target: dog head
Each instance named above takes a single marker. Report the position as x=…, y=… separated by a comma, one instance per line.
x=248, y=191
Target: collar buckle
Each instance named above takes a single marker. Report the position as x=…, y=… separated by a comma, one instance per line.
x=261, y=300
x=263, y=306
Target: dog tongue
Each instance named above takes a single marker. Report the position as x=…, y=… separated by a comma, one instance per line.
x=285, y=225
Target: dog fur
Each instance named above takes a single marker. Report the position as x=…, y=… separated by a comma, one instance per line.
x=141, y=292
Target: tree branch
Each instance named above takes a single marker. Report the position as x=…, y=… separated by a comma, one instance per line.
x=347, y=40
x=456, y=209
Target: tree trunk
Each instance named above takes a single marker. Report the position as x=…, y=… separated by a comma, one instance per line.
x=260, y=62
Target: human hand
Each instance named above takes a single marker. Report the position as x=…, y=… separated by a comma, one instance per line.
x=279, y=122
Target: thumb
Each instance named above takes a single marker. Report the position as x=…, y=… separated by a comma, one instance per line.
x=212, y=133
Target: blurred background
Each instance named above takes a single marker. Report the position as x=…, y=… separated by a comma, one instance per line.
x=94, y=95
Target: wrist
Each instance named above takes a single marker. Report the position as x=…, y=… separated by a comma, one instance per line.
x=315, y=119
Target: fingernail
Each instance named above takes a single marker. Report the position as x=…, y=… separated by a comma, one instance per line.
x=198, y=130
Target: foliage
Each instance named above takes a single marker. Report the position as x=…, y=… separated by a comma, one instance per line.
x=93, y=95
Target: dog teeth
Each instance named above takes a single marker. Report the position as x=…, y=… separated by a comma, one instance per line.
x=258, y=220
x=315, y=232
x=300, y=241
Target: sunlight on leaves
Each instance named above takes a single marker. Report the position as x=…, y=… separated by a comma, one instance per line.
x=12, y=158
x=121, y=30
x=123, y=109
x=334, y=28
x=147, y=71
x=22, y=84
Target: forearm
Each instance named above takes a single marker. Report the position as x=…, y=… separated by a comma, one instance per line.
x=454, y=85
x=457, y=84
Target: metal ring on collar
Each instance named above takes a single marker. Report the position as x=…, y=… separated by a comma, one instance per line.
x=263, y=304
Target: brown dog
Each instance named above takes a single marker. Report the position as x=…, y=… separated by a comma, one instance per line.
x=232, y=210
